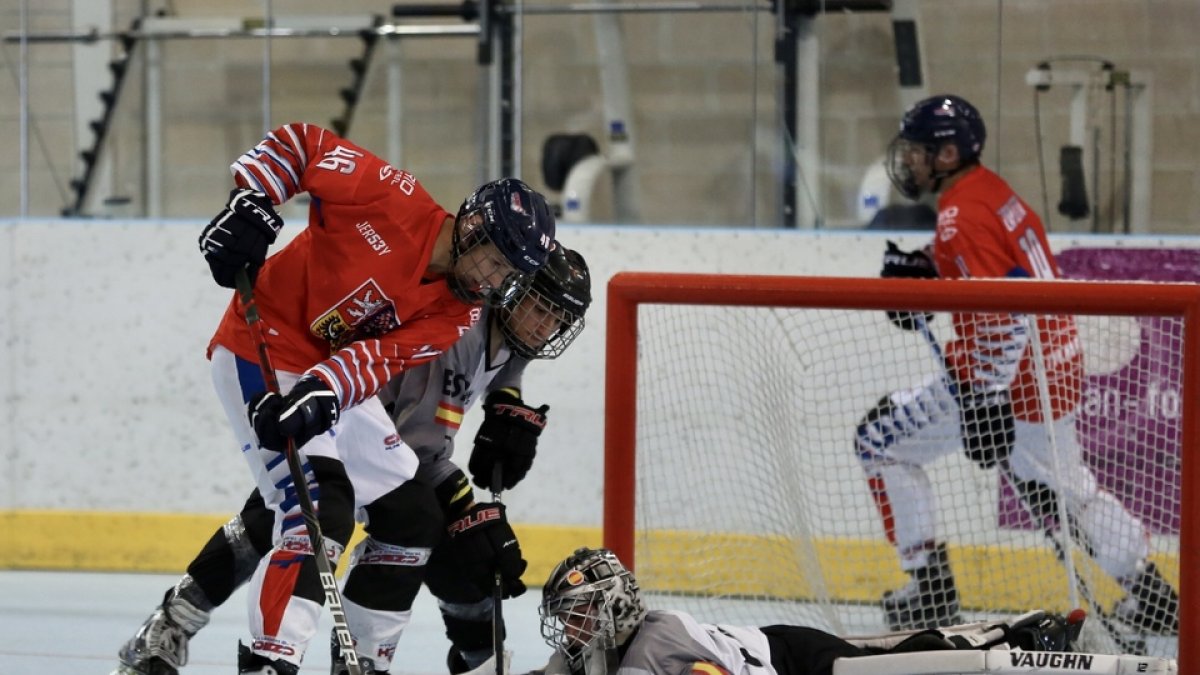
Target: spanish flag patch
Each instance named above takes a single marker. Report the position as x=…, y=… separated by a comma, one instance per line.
x=449, y=415
x=706, y=668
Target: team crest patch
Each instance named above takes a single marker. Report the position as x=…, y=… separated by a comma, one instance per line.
x=366, y=312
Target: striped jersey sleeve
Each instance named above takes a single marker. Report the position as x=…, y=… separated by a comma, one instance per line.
x=275, y=165
x=359, y=370
x=356, y=372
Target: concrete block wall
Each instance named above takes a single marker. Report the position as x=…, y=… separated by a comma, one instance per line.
x=704, y=86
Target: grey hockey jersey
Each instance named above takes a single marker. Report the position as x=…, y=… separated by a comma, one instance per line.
x=674, y=643
x=428, y=403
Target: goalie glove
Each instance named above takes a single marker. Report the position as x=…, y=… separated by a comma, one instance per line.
x=308, y=410
x=899, y=264
x=987, y=425
x=482, y=543
x=238, y=237
x=508, y=437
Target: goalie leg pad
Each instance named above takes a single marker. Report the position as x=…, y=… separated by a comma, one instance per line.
x=800, y=649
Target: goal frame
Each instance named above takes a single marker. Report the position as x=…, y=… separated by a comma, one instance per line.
x=628, y=290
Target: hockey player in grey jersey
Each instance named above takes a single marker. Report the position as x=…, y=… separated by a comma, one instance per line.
x=428, y=530
x=594, y=618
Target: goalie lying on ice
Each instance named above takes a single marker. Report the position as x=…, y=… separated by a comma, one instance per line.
x=594, y=617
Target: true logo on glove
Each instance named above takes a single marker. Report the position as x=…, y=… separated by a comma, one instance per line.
x=522, y=412
x=474, y=519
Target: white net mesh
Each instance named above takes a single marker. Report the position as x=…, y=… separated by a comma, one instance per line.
x=754, y=500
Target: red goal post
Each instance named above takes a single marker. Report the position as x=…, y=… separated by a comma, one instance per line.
x=629, y=291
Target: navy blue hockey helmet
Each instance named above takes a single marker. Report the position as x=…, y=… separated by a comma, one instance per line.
x=929, y=124
x=518, y=222
x=942, y=119
x=516, y=218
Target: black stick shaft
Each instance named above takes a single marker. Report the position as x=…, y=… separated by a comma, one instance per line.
x=498, y=587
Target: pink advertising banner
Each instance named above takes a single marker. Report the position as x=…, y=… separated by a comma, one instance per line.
x=1129, y=417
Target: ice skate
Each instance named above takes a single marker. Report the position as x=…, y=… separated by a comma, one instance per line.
x=160, y=646
x=1150, y=605
x=250, y=663
x=928, y=600
x=455, y=662
x=337, y=664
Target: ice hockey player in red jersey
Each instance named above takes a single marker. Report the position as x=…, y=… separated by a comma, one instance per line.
x=986, y=401
x=381, y=280
x=407, y=538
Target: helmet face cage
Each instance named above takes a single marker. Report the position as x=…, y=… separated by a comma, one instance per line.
x=473, y=256
x=544, y=315
x=534, y=326
x=901, y=158
x=591, y=602
x=578, y=626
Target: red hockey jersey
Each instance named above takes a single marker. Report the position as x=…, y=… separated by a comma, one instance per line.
x=347, y=299
x=985, y=230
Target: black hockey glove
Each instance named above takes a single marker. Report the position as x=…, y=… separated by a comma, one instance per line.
x=1053, y=633
x=508, y=436
x=987, y=426
x=308, y=410
x=239, y=236
x=481, y=543
x=899, y=264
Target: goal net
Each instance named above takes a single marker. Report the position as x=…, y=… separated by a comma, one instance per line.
x=746, y=424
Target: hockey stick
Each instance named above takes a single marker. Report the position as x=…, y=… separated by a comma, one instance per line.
x=292, y=454
x=1132, y=645
x=498, y=587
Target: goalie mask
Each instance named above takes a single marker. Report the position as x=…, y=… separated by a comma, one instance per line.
x=590, y=607
x=503, y=232
x=543, y=315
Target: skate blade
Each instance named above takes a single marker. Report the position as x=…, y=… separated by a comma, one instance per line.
x=155, y=667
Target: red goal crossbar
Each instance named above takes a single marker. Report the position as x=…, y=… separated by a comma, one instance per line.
x=628, y=290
